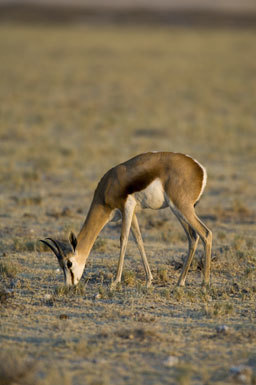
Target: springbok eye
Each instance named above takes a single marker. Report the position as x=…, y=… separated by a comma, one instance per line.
x=69, y=264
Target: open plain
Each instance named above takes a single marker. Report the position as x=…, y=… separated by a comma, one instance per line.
x=74, y=101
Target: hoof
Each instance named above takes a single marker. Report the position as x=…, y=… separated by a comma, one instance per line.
x=114, y=285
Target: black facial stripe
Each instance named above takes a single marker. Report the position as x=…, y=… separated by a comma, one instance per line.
x=72, y=276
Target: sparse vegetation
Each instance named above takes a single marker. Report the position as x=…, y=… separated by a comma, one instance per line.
x=8, y=268
x=22, y=245
x=70, y=291
x=75, y=100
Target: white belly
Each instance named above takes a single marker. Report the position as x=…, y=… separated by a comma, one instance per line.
x=152, y=196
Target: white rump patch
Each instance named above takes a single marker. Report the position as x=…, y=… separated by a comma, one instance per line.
x=204, y=176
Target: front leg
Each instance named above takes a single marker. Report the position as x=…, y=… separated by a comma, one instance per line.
x=127, y=214
x=138, y=239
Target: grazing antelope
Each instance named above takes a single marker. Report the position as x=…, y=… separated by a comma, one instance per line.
x=153, y=180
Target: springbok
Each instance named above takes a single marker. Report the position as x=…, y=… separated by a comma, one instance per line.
x=153, y=180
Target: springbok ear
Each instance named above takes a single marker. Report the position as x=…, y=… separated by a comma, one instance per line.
x=73, y=240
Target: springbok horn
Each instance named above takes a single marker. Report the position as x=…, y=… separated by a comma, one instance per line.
x=51, y=247
x=60, y=251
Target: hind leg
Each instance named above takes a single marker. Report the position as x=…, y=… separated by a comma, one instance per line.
x=193, y=238
x=188, y=215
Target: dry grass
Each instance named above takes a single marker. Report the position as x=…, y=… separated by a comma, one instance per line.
x=74, y=101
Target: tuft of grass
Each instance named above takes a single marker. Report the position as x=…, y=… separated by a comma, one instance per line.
x=70, y=291
x=178, y=293
x=8, y=269
x=129, y=278
x=218, y=309
x=140, y=334
x=104, y=293
x=165, y=293
x=162, y=275
x=28, y=200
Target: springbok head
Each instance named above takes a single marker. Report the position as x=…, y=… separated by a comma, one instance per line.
x=65, y=254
